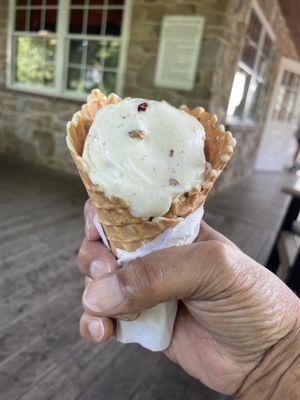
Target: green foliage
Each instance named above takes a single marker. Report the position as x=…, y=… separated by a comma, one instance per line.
x=34, y=58
x=99, y=56
x=35, y=63
x=111, y=53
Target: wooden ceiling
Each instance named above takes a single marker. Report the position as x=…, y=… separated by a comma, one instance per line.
x=291, y=12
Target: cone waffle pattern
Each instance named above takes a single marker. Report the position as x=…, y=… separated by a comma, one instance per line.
x=122, y=230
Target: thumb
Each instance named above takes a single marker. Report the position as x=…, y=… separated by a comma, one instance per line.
x=175, y=273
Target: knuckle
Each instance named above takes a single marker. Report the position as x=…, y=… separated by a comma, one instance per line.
x=226, y=260
x=81, y=256
x=220, y=250
x=82, y=322
x=142, y=280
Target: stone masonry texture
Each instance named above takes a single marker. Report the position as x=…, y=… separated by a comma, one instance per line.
x=32, y=127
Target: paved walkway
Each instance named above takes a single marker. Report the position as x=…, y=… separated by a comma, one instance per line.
x=41, y=354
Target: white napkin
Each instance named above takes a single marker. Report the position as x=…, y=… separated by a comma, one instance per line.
x=154, y=327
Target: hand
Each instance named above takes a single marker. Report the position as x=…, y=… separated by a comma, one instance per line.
x=234, y=317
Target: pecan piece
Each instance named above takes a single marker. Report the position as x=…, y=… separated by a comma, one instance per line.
x=143, y=107
x=137, y=134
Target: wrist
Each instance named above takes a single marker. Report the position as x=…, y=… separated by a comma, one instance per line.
x=277, y=376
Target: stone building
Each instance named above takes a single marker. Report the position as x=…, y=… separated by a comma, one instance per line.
x=53, y=52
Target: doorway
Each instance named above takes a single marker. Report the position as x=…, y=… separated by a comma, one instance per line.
x=277, y=143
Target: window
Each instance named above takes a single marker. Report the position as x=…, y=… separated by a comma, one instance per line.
x=286, y=101
x=67, y=47
x=252, y=71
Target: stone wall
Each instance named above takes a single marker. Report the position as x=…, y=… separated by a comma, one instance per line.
x=33, y=127
x=147, y=17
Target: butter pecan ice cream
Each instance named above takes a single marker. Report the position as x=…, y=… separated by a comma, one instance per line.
x=145, y=152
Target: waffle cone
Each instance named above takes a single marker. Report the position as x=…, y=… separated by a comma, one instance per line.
x=124, y=231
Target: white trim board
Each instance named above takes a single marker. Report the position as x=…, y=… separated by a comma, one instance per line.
x=284, y=64
x=263, y=19
x=253, y=72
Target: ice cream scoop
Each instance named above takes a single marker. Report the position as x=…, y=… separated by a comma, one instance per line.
x=145, y=152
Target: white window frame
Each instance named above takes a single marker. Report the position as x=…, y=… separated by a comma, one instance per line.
x=266, y=30
x=62, y=36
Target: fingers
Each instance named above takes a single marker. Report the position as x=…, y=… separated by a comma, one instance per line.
x=95, y=329
x=91, y=232
x=176, y=273
x=95, y=260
